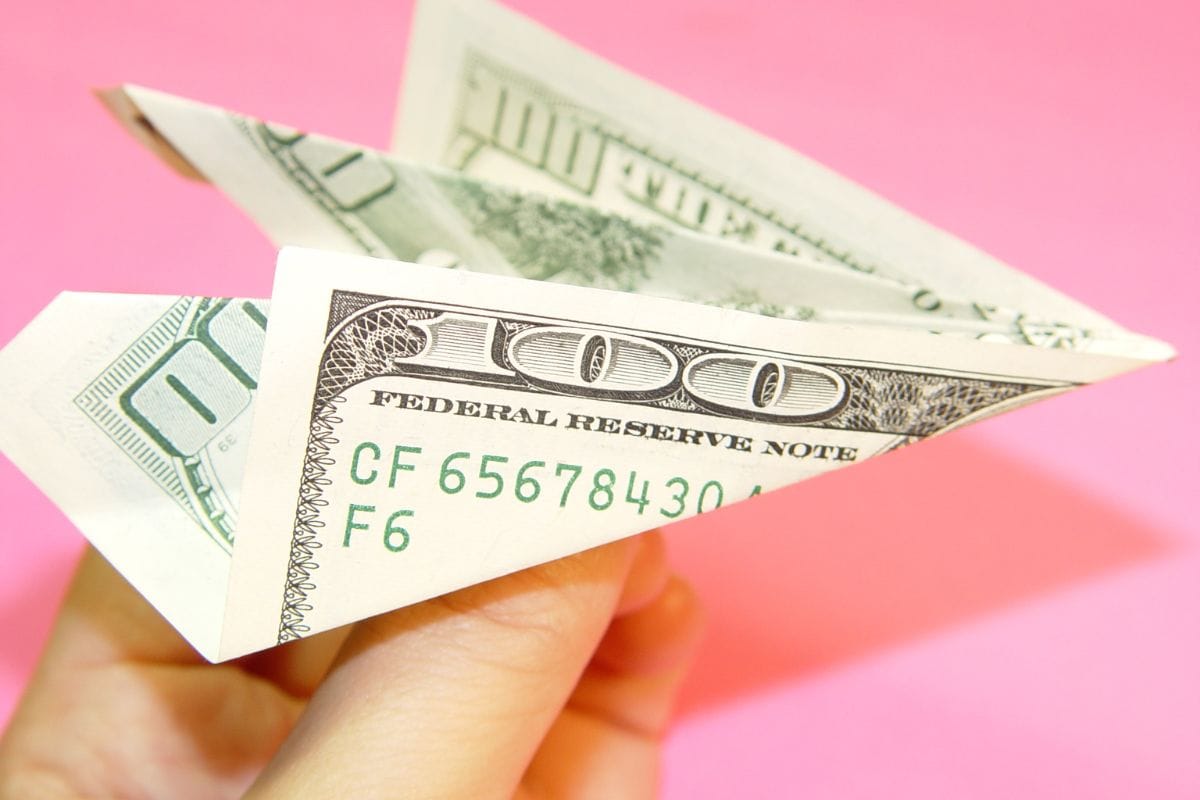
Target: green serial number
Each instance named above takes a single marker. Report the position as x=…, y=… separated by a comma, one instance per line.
x=491, y=477
x=601, y=488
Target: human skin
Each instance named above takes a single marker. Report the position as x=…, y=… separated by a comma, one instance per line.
x=553, y=682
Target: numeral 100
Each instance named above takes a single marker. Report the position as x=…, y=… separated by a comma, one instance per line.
x=201, y=384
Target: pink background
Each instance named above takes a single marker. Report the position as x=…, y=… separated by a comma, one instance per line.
x=1012, y=611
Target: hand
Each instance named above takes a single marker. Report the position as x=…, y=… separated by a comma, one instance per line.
x=552, y=682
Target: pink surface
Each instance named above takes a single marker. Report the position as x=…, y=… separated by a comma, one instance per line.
x=1013, y=611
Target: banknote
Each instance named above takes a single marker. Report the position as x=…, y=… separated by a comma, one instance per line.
x=495, y=95
x=431, y=427
x=305, y=189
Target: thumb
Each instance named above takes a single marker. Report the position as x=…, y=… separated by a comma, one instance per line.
x=452, y=697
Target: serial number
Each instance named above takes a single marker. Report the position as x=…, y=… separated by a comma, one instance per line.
x=488, y=477
x=600, y=489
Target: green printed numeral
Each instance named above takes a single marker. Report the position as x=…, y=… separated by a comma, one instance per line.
x=678, y=498
x=602, y=489
x=524, y=480
x=641, y=500
x=448, y=472
x=720, y=491
x=575, y=471
x=487, y=474
x=201, y=384
x=185, y=398
x=392, y=529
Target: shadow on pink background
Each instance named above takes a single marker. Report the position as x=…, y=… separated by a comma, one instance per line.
x=935, y=549
x=1011, y=611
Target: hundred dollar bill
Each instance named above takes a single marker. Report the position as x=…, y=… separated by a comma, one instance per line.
x=431, y=427
x=304, y=189
x=495, y=95
x=421, y=429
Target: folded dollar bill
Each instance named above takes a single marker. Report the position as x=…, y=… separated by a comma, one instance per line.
x=605, y=309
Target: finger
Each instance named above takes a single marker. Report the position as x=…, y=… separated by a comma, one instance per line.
x=586, y=758
x=606, y=743
x=103, y=620
x=113, y=664
x=451, y=697
x=658, y=636
x=647, y=575
x=298, y=667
